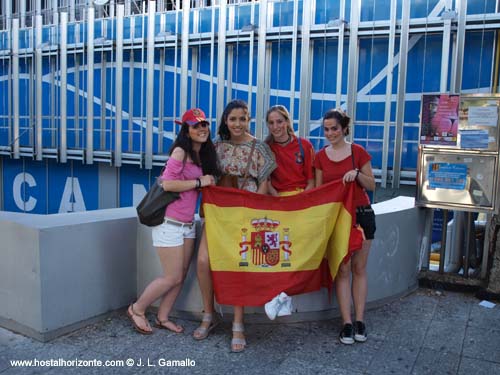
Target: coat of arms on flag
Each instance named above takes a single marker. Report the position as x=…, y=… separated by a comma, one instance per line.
x=265, y=245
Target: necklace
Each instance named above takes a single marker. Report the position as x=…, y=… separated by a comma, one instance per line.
x=284, y=142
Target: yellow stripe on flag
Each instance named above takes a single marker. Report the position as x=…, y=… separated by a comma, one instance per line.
x=308, y=231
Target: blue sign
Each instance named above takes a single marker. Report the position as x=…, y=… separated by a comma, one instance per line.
x=447, y=176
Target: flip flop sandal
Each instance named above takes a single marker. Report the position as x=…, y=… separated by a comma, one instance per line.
x=142, y=316
x=162, y=324
x=238, y=327
x=203, y=332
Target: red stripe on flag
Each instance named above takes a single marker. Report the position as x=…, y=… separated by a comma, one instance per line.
x=255, y=289
x=334, y=191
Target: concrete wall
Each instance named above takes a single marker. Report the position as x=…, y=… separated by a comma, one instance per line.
x=59, y=271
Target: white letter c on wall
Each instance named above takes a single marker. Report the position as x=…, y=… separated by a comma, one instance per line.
x=17, y=186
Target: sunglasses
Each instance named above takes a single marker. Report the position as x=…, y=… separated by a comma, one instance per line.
x=199, y=125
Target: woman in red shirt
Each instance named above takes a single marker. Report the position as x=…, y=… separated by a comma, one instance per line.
x=351, y=163
x=294, y=155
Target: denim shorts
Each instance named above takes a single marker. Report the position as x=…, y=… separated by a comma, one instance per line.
x=170, y=234
x=366, y=218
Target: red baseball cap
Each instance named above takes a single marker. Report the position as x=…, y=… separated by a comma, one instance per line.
x=192, y=117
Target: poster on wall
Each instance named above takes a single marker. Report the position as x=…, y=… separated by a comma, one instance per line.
x=478, y=127
x=439, y=120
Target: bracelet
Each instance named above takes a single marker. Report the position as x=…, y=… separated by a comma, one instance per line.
x=357, y=173
x=198, y=183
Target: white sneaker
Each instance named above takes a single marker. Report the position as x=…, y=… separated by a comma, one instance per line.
x=280, y=305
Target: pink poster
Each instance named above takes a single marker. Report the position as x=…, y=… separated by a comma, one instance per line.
x=439, y=122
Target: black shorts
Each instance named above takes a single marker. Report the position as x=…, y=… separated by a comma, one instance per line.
x=366, y=218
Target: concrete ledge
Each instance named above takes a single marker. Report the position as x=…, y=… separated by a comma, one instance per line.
x=392, y=268
x=58, y=271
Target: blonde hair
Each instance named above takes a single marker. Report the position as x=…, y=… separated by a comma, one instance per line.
x=283, y=112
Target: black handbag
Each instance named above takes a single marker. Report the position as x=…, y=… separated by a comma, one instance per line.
x=151, y=209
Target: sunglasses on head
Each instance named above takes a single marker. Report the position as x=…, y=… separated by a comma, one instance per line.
x=200, y=125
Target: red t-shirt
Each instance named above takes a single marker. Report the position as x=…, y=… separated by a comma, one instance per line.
x=335, y=170
x=292, y=172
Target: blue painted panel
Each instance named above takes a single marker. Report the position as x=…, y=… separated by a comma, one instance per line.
x=24, y=38
x=370, y=111
x=375, y=132
x=205, y=24
x=422, y=8
x=409, y=156
x=360, y=132
x=375, y=149
x=478, y=60
x=324, y=79
x=98, y=28
x=373, y=10
x=140, y=29
x=87, y=183
x=242, y=15
x=372, y=60
x=4, y=42
x=326, y=10
x=412, y=112
x=126, y=28
x=280, y=66
x=424, y=64
x=71, y=36
x=283, y=14
x=479, y=7
x=241, y=63
x=25, y=186
x=130, y=175
x=410, y=133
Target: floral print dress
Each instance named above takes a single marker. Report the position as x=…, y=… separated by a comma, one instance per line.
x=233, y=160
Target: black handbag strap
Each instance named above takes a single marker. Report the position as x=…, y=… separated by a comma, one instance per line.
x=352, y=158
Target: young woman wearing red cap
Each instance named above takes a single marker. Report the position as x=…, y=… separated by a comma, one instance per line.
x=192, y=165
x=235, y=148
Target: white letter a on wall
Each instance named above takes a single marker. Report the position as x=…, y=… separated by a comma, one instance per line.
x=72, y=198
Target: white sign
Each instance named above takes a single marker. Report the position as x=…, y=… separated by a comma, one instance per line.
x=485, y=116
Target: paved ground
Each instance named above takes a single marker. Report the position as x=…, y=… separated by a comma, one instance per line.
x=427, y=332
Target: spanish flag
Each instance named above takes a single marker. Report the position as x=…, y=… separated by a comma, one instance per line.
x=260, y=245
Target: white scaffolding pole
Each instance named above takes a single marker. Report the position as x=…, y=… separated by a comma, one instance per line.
x=148, y=160
x=184, y=56
x=400, y=105
x=64, y=88
x=15, y=87
x=39, y=94
x=261, y=70
x=352, y=71
x=305, y=70
x=388, y=93
x=89, y=147
x=458, y=56
x=120, y=9
x=221, y=58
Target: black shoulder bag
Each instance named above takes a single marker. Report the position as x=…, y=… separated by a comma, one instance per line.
x=151, y=209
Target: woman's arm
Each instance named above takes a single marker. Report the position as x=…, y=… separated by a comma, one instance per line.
x=366, y=178
x=271, y=190
x=185, y=185
x=363, y=176
x=310, y=184
x=319, y=177
x=263, y=187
